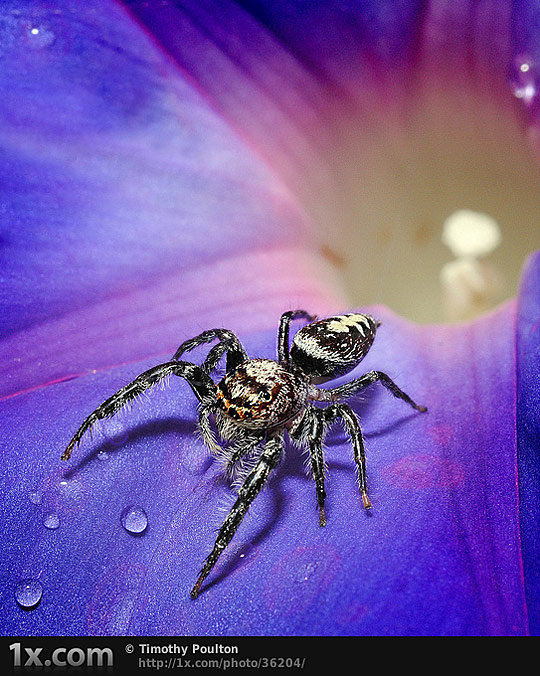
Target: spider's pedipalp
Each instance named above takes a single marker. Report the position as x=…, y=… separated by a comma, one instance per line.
x=205, y=429
x=242, y=457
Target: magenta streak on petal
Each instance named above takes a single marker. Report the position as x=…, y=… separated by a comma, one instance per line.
x=295, y=78
x=468, y=37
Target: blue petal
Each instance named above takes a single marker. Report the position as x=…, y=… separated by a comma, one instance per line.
x=439, y=554
x=528, y=433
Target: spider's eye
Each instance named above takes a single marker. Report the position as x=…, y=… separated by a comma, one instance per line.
x=264, y=394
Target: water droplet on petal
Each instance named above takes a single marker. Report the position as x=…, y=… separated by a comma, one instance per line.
x=195, y=460
x=307, y=572
x=299, y=577
x=244, y=551
x=28, y=593
x=246, y=554
x=134, y=519
x=34, y=497
x=103, y=455
x=51, y=521
x=71, y=489
x=524, y=79
x=118, y=440
x=39, y=37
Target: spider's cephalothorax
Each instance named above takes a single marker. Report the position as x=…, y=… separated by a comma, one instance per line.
x=259, y=400
x=261, y=394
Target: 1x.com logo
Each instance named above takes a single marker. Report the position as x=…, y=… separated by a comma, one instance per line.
x=61, y=657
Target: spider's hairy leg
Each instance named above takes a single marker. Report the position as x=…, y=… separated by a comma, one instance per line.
x=359, y=384
x=315, y=435
x=345, y=413
x=283, y=334
x=234, y=357
x=229, y=343
x=200, y=382
x=309, y=430
x=254, y=482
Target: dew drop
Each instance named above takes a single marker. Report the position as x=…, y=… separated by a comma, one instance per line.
x=301, y=574
x=28, y=593
x=51, y=521
x=307, y=572
x=34, y=497
x=116, y=435
x=134, y=519
x=195, y=460
x=246, y=554
x=71, y=490
x=39, y=36
x=524, y=79
x=103, y=455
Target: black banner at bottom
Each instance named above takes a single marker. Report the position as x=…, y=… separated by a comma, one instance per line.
x=180, y=654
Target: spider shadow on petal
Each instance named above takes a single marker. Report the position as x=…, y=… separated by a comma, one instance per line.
x=114, y=444
x=263, y=530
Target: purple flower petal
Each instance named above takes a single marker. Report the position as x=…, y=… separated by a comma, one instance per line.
x=439, y=554
x=528, y=433
x=136, y=214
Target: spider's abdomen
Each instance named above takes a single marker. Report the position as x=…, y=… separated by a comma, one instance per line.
x=260, y=393
x=332, y=347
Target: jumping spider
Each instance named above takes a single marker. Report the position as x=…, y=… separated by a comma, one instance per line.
x=258, y=400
